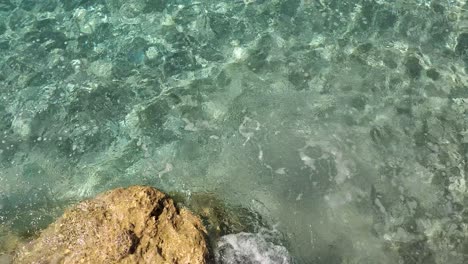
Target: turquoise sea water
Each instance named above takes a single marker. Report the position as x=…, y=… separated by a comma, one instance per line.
x=342, y=123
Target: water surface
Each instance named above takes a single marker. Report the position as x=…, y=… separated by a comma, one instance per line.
x=343, y=123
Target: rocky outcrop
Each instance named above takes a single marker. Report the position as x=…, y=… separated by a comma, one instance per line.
x=132, y=225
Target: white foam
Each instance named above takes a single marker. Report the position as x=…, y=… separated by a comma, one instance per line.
x=249, y=248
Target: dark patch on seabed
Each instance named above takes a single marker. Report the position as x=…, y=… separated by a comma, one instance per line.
x=342, y=123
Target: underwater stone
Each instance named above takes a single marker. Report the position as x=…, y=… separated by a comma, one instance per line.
x=368, y=14
x=462, y=44
x=42, y=6
x=70, y=5
x=8, y=242
x=155, y=6
x=440, y=30
x=179, y=61
x=358, y=102
x=289, y=8
x=5, y=119
x=101, y=68
x=2, y=28
x=364, y=48
x=22, y=127
x=20, y=19
x=300, y=79
x=407, y=252
x=438, y=8
x=219, y=217
x=433, y=74
x=122, y=68
x=6, y=5
x=413, y=67
x=385, y=19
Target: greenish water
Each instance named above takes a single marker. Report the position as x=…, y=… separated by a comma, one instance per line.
x=343, y=123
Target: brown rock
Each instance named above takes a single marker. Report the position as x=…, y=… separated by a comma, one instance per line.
x=133, y=225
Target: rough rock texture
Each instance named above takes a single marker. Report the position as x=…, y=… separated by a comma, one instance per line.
x=132, y=225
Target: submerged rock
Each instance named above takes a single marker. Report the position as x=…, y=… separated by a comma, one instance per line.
x=8, y=243
x=126, y=225
x=219, y=217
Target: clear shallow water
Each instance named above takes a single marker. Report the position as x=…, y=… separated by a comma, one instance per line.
x=343, y=123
